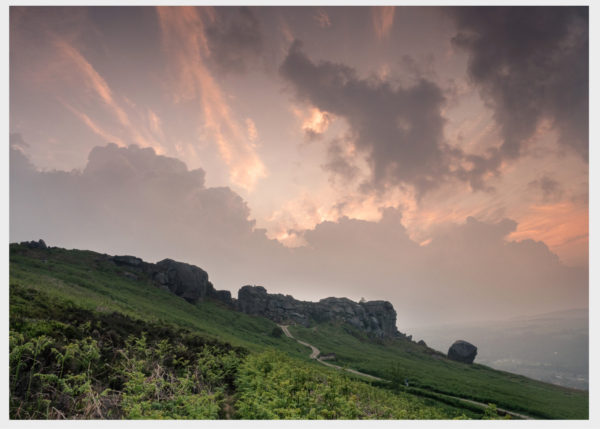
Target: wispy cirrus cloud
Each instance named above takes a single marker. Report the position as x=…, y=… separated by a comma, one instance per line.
x=383, y=20
x=93, y=126
x=96, y=84
x=185, y=41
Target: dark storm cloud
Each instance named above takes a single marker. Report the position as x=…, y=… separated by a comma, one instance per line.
x=339, y=163
x=235, y=39
x=531, y=64
x=400, y=130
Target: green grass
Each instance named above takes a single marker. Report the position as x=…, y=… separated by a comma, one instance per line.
x=274, y=386
x=428, y=370
x=58, y=294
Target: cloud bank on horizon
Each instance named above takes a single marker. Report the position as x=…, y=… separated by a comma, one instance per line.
x=133, y=201
x=424, y=154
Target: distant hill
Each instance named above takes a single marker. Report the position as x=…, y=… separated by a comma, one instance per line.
x=91, y=336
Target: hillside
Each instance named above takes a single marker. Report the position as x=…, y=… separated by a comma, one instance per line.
x=90, y=340
x=550, y=347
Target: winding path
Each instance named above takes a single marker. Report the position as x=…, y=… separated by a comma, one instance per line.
x=315, y=352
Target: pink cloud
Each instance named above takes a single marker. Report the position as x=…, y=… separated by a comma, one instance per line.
x=383, y=20
x=184, y=40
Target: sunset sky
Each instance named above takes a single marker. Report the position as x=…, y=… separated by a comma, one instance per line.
x=435, y=157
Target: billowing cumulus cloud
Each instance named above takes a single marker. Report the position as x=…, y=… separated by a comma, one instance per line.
x=399, y=130
x=133, y=201
x=530, y=64
x=467, y=271
x=130, y=200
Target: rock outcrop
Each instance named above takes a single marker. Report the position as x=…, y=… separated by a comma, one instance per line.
x=184, y=280
x=40, y=244
x=462, y=351
x=377, y=318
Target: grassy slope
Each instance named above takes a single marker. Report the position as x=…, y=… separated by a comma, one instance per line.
x=44, y=282
x=435, y=373
x=91, y=281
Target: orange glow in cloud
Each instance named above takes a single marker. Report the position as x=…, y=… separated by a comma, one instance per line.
x=315, y=121
x=185, y=41
x=155, y=124
x=383, y=20
x=309, y=209
x=251, y=130
x=562, y=226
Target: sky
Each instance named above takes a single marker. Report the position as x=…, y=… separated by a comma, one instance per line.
x=435, y=157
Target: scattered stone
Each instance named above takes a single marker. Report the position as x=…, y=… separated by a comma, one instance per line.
x=462, y=351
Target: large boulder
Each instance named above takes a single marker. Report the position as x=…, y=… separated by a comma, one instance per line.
x=462, y=351
x=184, y=280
